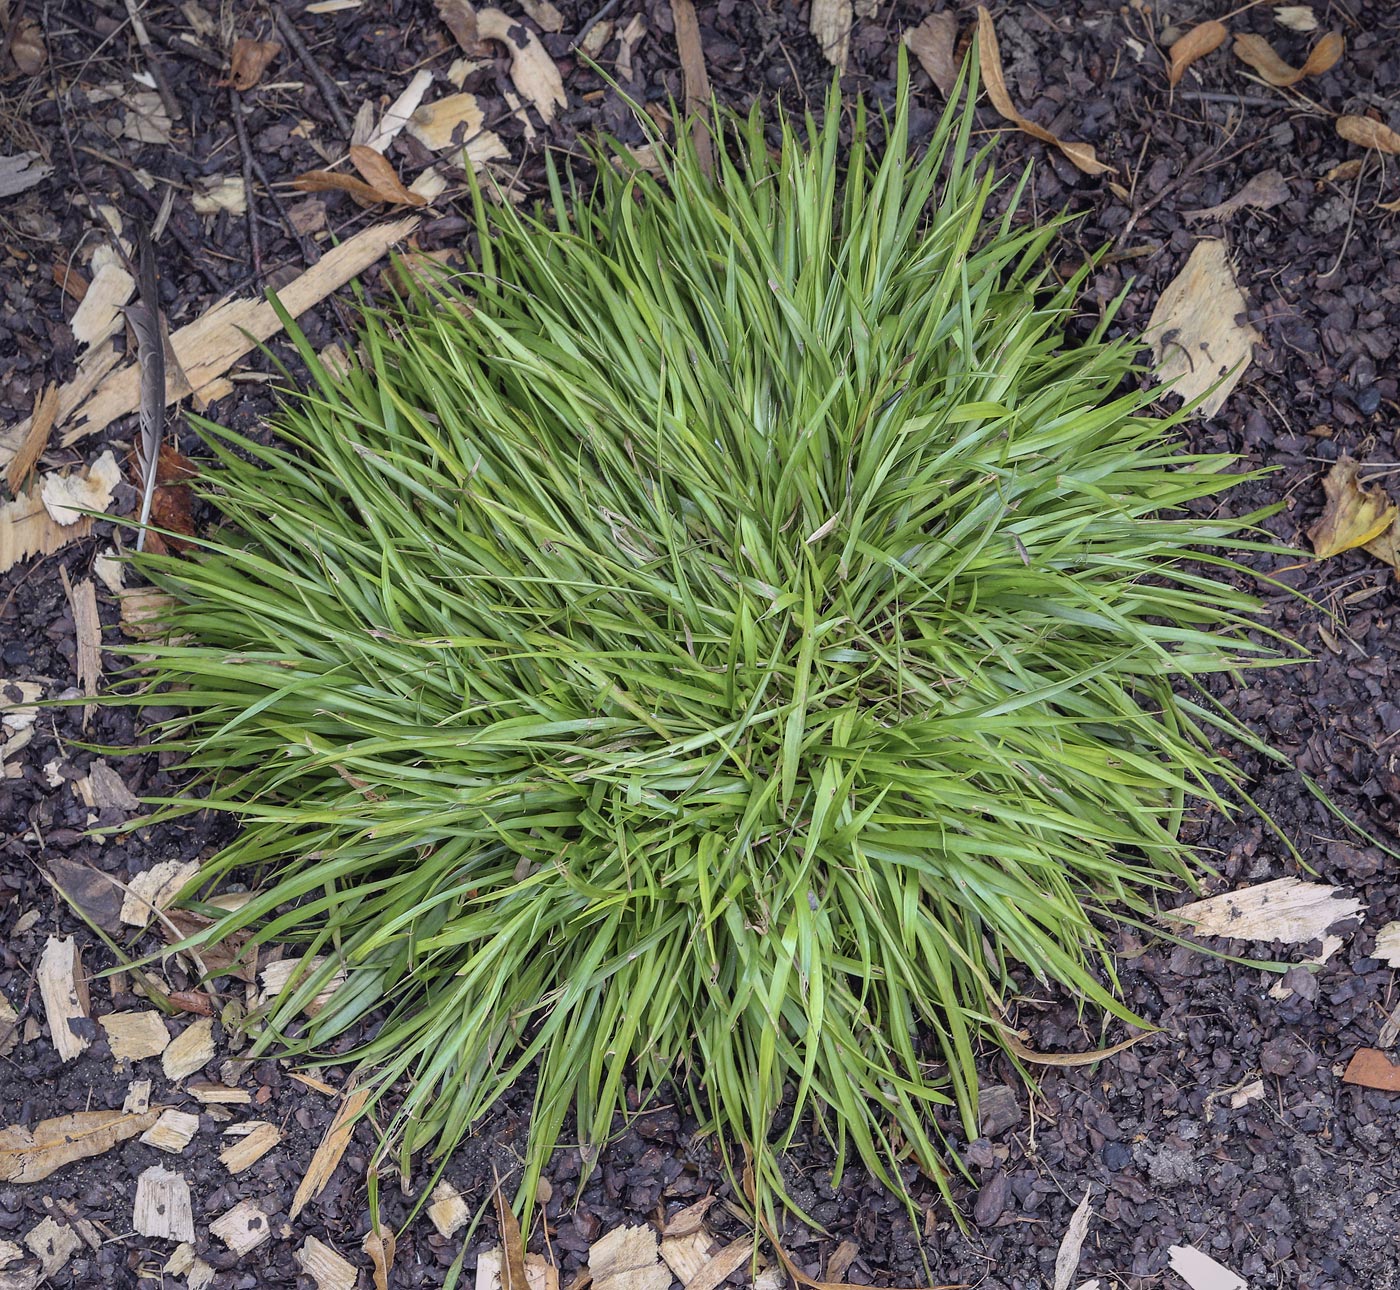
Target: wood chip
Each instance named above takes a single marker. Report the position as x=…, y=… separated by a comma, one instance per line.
x=718, y=1267
x=1388, y=944
x=830, y=25
x=1201, y=1272
x=1288, y=910
x=1195, y=332
x=162, y=1207
x=172, y=1132
x=628, y=1258
x=138, y=1097
x=840, y=1261
x=111, y=287
x=448, y=1211
x=87, y=629
x=53, y=1244
x=64, y=990
x=696, y=79
x=540, y=1274
x=243, y=1228
x=320, y=1085
x=155, y=888
x=1067, y=1257
x=134, y=1036
x=276, y=975
x=400, y=112
x=687, y=1255
x=67, y=496
x=206, y=348
x=325, y=1267
x=251, y=1148
x=690, y=1219
x=9, y=1027
x=327, y=1157
x=191, y=1050
x=35, y=441
x=218, y=1094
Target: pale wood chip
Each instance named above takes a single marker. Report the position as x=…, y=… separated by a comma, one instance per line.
x=172, y=1132
x=325, y=1267
x=327, y=1156
x=206, y=1093
x=53, y=1244
x=138, y=1096
x=155, y=888
x=191, y=1050
x=448, y=1212
x=540, y=1274
x=134, y=1036
x=252, y=1147
x=64, y=990
x=243, y=1228
x=103, y=789
x=162, y=1208
x=628, y=1258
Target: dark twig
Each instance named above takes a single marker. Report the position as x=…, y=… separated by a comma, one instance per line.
x=1241, y=100
x=250, y=207
x=327, y=87
x=153, y=65
x=593, y=22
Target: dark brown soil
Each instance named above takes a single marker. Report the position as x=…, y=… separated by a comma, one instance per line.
x=1298, y=1188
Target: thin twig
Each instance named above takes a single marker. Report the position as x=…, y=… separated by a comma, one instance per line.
x=1243, y=100
x=143, y=38
x=593, y=22
x=327, y=87
x=250, y=208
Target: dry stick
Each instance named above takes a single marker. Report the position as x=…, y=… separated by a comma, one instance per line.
x=697, y=80
x=329, y=93
x=593, y=22
x=250, y=208
x=143, y=38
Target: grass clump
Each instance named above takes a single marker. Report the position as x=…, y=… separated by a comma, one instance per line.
x=727, y=636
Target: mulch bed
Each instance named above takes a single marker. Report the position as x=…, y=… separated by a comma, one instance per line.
x=1296, y=1188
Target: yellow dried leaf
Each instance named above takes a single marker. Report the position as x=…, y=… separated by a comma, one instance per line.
x=1260, y=55
x=28, y=1155
x=989, y=55
x=1366, y=133
x=1354, y=515
x=1204, y=38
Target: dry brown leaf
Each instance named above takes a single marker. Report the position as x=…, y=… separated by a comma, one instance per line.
x=27, y=46
x=1354, y=515
x=379, y=1245
x=1013, y=1042
x=1371, y=1068
x=830, y=24
x=1366, y=133
x=249, y=60
x=1204, y=38
x=328, y=1153
x=332, y=181
x=206, y=348
x=544, y=15
x=70, y=282
x=934, y=42
x=1260, y=55
x=454, y=119
x=380, y=182
x=28, y=1155
x=512, y=1244
x=22, y=464
x=989, y=53
x=1264, y=191
x=533, y=71
x=87, y=631
x=172, y=503
x=1193, y=330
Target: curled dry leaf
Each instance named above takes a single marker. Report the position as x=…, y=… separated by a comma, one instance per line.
x=27, y=47
x=1354, y=515
x=1366, y=133
x=1263, y=192
x=1204, y=38
x=381, y=182
x=1260, y=55
x=989, y=53
x=250, y=59
x=934, y=42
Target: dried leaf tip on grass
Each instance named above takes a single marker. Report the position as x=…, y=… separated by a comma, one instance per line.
x=728, y=636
